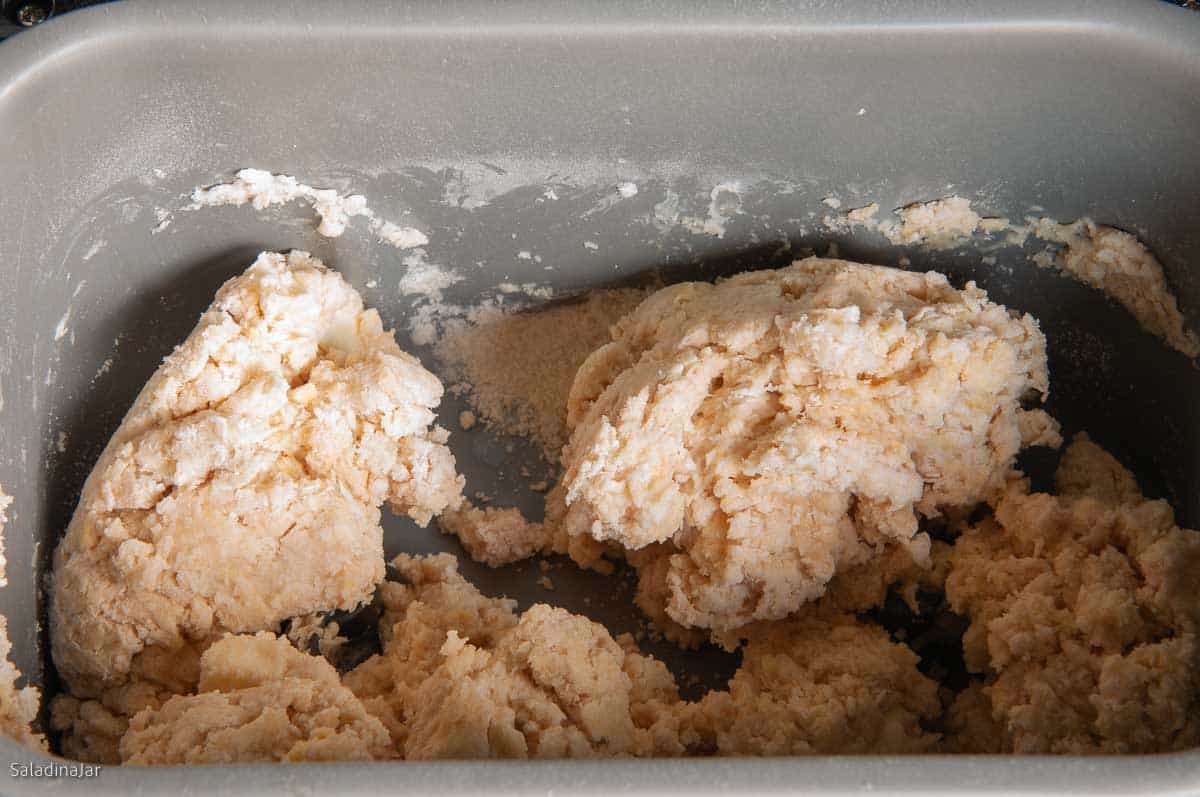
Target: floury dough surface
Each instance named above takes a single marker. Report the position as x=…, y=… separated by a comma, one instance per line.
x=243, y=486
x=1083, y=618
x=262, y=190
x=781, y=426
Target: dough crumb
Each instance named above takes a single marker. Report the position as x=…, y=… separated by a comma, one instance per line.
x=864, y=214
x=315, y=630
x=843, y=400
x=466, y=420
x=494, y=536
x=242, y=488
x=422, y=278
x=1083, y=618
x=546, y=583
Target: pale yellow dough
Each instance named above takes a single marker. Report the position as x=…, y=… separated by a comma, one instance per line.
x=243, y=486
x=1083, y=613
x=781, y=426
x=259, y=699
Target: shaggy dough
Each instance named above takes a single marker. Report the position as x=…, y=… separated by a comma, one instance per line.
x=91, y=729
x=783, y=425
x=260, y=700
x=495, y=536
x=1083, y=618
x=824, y=683
x=243, y=486
x=462, y=676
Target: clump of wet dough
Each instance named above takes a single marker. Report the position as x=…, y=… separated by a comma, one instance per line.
x=823, y=683
x=463, y=676
x=259, y=699
x=1083, y=617
x=91, y=729
x=783, y=425
x=243, y=486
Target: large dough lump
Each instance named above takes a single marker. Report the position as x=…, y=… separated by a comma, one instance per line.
x=779, y=426
x=243, y=486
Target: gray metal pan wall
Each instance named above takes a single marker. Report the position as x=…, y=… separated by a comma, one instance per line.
x=1081, y=108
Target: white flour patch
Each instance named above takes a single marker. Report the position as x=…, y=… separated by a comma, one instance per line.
x=95, y=249
x=163, y=217
x=423, y=278
x=531, y=289
x=724, y=202
x=627, y=189
x=397, y=236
